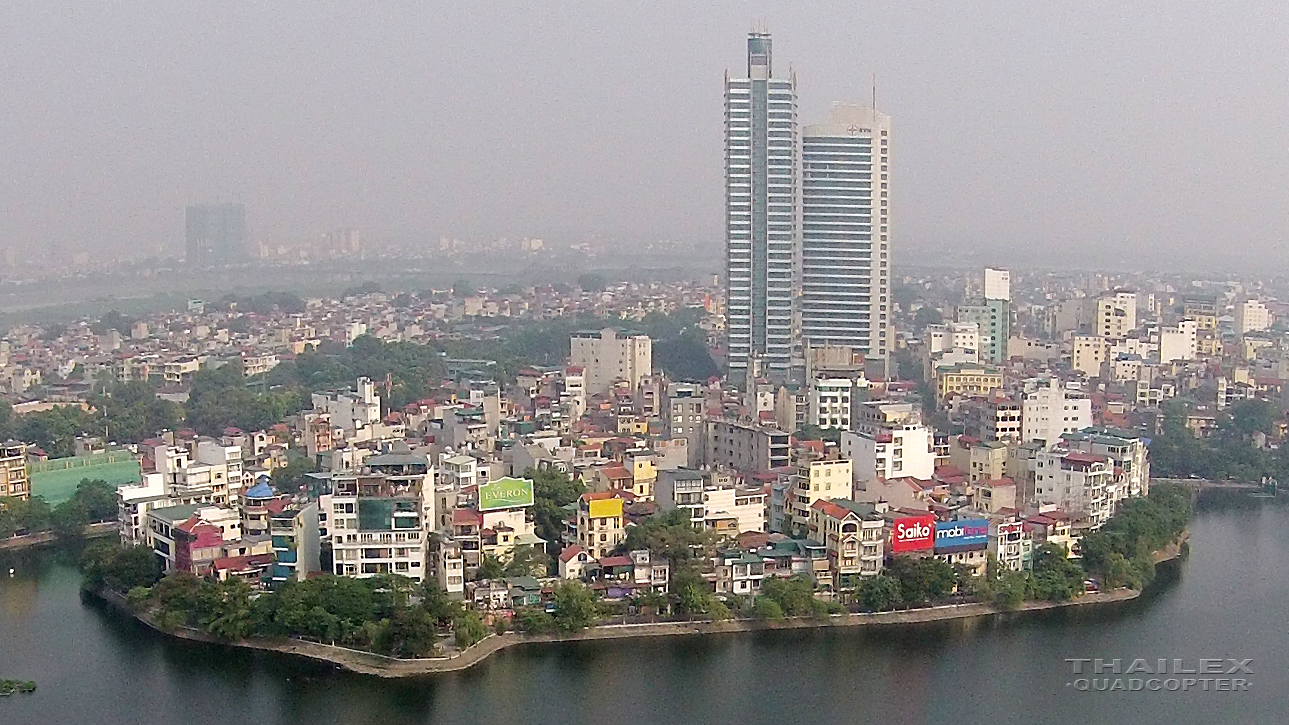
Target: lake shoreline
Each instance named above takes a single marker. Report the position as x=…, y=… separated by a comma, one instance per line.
x=369, y=663
x=48, y=538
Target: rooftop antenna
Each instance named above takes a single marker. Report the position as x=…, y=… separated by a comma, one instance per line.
x=874, y=92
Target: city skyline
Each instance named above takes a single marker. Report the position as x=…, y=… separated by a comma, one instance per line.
x=1031, y=130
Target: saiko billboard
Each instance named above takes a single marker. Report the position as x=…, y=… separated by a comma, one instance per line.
x=913, y=533
x=963, y=535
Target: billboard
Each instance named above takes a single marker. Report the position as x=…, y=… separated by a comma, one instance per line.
x=505, y=493
x=913, y=533
x=604, y=507
x=962, y=535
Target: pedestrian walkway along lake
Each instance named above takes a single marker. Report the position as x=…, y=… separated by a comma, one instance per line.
x=1228, y=600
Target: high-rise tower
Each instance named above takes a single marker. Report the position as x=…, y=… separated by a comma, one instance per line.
x=215, y=234
x=761, y=213
x=845, y=232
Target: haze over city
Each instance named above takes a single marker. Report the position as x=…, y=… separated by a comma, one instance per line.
x=1025, y=133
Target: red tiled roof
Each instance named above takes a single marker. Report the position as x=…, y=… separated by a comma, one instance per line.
x=1083, y=458
x=466, y=516
x=609, y=561
x=569, y=553
x=828, y=508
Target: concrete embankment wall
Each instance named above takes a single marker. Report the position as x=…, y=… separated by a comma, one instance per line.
x=45, y=538
x=374, y=664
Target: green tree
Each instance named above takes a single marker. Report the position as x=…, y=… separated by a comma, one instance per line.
x=922, y=581
x=651, y=600
x=693, y=595
x=463, y=288
x=879, y=593
x=98, y=497
x=927, y=315
x=436, y=602
x=23, y=516
x=670, y=535
x=490, y=568
x=552, y=491
x=767, y=609
x=69, y=519
x=574, y=606
x=534, y=621
x=1010, y=590
x=1055, y=577
x=409, y=633
x=528, y=561
x=794, y=595
x=469, y=628
x=293, y=475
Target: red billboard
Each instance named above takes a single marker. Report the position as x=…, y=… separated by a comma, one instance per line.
x=913, y=533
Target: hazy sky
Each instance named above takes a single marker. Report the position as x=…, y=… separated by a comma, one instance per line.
x=1154, y=130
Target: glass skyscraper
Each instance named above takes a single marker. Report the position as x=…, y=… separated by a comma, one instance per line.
x=845, y=247
x=761, y=213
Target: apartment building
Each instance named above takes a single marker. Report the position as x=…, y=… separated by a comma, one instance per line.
x=893, y=452
x=968, y=380
x=1116, y=314
x=600, y=523
x=607, y=357
x=1076, y=482
x=379, y=517
x=854, y=534
x=815, y=480
x=713, y=500
x=1049, y=410
x=14, y=482
x=746, y=446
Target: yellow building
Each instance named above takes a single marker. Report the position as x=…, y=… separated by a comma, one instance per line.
x=600, y=522
x=968, y=380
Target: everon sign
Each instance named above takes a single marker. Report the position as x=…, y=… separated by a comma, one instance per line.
x=505, y=493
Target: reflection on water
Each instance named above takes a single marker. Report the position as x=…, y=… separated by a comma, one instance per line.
x=1226, y=600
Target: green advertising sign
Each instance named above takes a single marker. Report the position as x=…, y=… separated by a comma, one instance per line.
x=505, y=493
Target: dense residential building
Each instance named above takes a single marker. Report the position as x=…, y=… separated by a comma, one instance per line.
x=1050, y=410
x=968, y=380
x=830, y=401
x=714, y=501
x=896, y=452
x=812, y=481
x=607, y=357
x=746, y=446
x=379, y=517
x=1251, y=315
x=600, y=523
x=845, y=231
x=1075, y=481
x=1117, y=314
x=761, y=212
x=13, y=471
x=854, y=535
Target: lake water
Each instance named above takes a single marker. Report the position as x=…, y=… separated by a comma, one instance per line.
x=1230, y=599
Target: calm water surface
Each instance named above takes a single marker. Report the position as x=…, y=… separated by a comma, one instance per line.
x=1230, y=599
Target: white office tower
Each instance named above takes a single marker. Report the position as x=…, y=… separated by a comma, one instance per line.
x=761, y=188
x=845, y=231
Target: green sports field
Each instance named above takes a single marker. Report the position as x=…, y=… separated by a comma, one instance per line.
x=58, y=485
